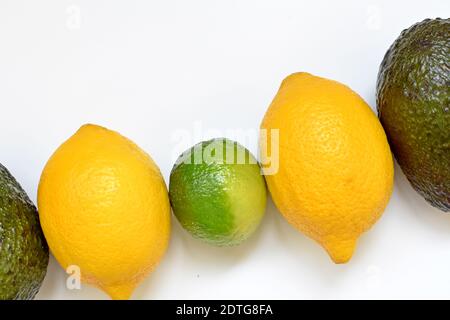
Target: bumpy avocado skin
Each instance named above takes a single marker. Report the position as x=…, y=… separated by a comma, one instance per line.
x=23, y=249
x=413, y=91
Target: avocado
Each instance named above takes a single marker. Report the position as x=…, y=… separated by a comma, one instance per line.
x=413, y=90
x=23, y=249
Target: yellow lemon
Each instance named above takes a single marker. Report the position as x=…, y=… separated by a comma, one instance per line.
x=335, y=168
x=104, y=208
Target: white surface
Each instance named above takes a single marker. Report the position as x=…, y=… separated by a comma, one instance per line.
x=151, y=68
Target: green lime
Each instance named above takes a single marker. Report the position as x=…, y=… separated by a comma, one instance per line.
x=217, y=192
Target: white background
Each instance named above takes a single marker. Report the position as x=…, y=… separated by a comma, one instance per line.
x=149, y=69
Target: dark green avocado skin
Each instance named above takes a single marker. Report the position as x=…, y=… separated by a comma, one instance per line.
x=23, y=249
x=413, y=91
